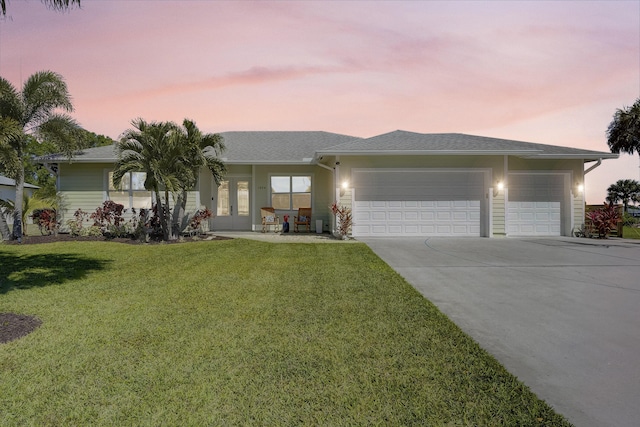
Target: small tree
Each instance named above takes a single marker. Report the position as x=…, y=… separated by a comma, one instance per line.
x=625, y=191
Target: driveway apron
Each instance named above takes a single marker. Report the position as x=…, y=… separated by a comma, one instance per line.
x=562, y=314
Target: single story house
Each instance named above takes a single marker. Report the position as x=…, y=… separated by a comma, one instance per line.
x=8, y=191
x=397, y=184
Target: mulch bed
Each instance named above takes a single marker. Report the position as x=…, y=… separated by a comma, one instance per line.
x=14, y=326
x=63, y=237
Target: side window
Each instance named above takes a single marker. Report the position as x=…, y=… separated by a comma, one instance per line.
x=131, y=193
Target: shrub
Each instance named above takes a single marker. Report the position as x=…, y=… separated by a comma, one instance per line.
x=345, y=220
x=110, y=213
x=47, y=220
x=76, y=224
x=198, y=217
x=140, y=225
x=93, y=231
x=604, y=219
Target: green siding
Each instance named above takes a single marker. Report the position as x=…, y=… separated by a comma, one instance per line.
x=83, y=186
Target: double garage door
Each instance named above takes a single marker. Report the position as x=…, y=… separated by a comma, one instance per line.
x=417, y=202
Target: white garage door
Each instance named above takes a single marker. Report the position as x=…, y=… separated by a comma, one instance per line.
x=417, y=203
x=535, y=205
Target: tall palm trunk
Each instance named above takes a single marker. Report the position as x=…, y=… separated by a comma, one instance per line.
x=167, y=217
x=178, y=213
x=4, y=227
x=17, y=212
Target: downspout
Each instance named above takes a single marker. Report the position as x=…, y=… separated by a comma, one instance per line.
x=592, y=167
x=598, y=163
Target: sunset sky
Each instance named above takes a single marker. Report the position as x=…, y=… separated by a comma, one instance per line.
x=550, y=72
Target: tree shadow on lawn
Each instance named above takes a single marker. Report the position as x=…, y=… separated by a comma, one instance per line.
x=31, y=271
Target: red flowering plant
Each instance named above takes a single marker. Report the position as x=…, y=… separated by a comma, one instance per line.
x=199, y=217
x=604, y=219
x=345, y=220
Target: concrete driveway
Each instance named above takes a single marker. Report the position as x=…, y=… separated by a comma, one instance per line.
x=562, y=314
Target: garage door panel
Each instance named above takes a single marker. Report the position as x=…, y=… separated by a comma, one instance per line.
x=427, y=216
x=378, y=216
x=395, y=216
x=411, y=229
x=410, y=215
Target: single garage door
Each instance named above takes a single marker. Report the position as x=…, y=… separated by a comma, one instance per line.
x=417, y=202
x=535, y=204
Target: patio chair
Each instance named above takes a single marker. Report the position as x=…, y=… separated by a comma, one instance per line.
x=303, y=218
x=269, y=217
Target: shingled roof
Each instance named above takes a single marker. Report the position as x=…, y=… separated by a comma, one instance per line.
x=278, y=147
x=304, y=147
x=8, y=182
x=410, y=143
x=242, y=148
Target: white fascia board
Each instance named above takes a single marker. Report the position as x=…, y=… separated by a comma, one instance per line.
x=268, y=162
x=76, y=160
x=585, y=157
x=430, y=153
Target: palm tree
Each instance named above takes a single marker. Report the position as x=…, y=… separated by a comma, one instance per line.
x=623, y=134
x=29, y=205
x=625, y=191
x=199, y=150
x=34, y=112
x=53, y=4
x=9, y=163
x=152, y=148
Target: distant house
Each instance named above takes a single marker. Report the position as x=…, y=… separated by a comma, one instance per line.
x=398, y=184
x=8, y=191
x=634, y=211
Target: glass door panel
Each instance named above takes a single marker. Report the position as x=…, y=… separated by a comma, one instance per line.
x=232, y=204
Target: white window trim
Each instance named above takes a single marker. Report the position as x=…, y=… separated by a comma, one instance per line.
x=105, y=190
x=290, y=175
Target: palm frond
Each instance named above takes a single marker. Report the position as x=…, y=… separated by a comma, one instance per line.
x=63, y=131
x=42, y=94
x=10, y=101
x=10, y=131
x=623, y=133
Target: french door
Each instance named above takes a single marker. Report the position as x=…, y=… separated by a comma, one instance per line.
x=232, y=204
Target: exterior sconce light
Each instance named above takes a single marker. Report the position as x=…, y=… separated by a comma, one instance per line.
x=580, y=188
x=344, y=187
x=499, y=187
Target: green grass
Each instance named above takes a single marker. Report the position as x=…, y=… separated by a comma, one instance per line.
x=631, y=232
x=239, y=333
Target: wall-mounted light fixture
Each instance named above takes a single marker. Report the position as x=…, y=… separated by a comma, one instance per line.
x=344, y=187
x=579, y=190
x=498, y=188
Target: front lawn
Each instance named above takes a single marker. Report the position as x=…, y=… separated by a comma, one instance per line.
x=630, y=232
x=239, y=333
